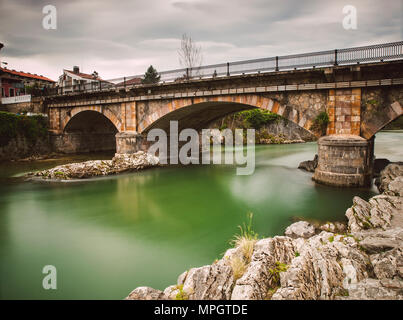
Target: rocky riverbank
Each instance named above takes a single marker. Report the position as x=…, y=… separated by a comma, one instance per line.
x=120, y=163
x=361, y=259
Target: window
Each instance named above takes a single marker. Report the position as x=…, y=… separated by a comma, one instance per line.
x=11, y=92
x=2, y=92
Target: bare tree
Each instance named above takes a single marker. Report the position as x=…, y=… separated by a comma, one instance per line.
x=190, y=55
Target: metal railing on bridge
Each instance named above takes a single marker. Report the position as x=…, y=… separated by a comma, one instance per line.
x=373, y=53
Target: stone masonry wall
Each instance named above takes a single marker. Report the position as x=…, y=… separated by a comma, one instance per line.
x=83, y=142
x=35, y=106
x=344, y=110
x=379, y=107
x=21, y=147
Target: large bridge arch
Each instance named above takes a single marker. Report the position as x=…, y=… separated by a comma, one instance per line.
x=198, y=112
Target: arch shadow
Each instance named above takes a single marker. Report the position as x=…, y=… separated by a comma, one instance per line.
x=90, y=131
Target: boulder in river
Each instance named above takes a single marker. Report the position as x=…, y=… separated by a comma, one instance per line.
x=309, y=165
x=390, y=173
x=119, y=163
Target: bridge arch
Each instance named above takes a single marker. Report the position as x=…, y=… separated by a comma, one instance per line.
x=198, y=112
x=98, y=109
x=88, y=130
x=380, y=119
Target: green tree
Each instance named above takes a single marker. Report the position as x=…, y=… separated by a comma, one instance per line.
x=151, y=76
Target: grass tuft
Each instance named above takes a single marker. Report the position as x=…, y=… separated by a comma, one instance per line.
x=238, y=266
x=246, y=239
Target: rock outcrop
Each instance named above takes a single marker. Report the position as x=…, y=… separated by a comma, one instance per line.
x=309, y=165
x=300, y=229
x=390, y=173
x=146, y=293
x=360, y=260
x=119, y=163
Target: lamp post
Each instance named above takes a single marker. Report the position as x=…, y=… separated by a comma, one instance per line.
x=1, y=46
x=1, y=93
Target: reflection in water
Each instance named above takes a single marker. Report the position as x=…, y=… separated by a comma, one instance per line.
x=109, y=235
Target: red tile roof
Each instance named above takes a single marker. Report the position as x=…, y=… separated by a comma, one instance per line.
x=130, y=82
x=26, y=74
x=84, y=75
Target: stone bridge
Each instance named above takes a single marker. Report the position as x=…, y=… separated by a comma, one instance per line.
x=360, y=100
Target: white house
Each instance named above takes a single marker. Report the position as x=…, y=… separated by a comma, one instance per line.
x=74, y=80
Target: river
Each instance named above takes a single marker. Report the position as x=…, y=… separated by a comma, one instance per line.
x=109, y=235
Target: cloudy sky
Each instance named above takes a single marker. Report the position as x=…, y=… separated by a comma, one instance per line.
x=120, y=38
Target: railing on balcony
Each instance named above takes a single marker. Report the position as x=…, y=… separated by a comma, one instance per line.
x=349, y=56
x=16, y=99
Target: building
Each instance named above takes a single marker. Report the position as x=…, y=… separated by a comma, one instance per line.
x=74, y=80
x=17, y=83
x=130, y=82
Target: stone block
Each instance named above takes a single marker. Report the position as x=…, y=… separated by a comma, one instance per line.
x=356, y=91
x=275, y=107
x=346, y=111
x=346, y=125
x=355, y=111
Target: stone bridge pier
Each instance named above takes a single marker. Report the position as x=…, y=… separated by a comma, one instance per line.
x=346, y=154
x=131, y=142
x=345, y=160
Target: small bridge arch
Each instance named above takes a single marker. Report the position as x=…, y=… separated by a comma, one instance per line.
x=70, y=114
x=88, y=129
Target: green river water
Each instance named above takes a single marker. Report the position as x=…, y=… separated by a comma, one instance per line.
x=107, y=236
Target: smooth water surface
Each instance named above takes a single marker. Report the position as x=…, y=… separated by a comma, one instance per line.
x=107, y=236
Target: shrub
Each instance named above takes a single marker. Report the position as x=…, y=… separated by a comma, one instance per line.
x=30, y=127
x=256, y=118
x=320, y=123
x=181, y=295
x=275, y=272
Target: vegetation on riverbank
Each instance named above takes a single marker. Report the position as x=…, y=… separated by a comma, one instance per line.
x=270, y=128
x=255, y=118
x=245, y=241
x=31, y=128
x=320, y=123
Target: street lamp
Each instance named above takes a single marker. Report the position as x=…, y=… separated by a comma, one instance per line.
x=1, y=46
x=1, y=94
